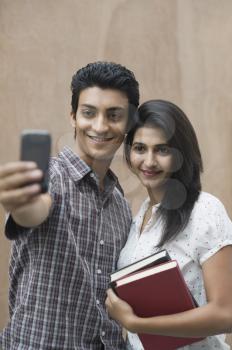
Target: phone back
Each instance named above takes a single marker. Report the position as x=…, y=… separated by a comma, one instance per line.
x=36, y=146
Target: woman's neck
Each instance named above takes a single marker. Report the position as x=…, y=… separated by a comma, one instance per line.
x=156, y=195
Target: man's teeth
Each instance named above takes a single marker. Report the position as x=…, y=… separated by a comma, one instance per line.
x=100, y=138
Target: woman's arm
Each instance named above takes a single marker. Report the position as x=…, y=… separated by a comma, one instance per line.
x=213, y=318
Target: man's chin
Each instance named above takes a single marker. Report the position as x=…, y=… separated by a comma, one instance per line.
x=104, y=157
x=98, y=156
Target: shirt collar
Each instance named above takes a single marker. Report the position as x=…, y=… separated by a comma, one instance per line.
x=78, y=169
x=139, y=216
x=74, y=165
x=147, y=202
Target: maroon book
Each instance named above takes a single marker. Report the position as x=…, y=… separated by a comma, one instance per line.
x=155, y=291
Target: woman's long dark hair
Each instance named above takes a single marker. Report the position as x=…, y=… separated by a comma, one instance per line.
x=183, y=187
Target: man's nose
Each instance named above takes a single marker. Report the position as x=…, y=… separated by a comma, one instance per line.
x=100, y=124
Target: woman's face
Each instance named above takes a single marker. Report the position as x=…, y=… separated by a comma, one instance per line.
x=151, y=158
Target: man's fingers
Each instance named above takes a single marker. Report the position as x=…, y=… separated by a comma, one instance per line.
x=20, y=166
x=19, y=179
x=14, y=198
x=19, y=183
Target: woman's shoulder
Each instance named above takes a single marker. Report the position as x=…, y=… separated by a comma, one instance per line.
x=210, y=225
x=210, y=211
x=207, y=203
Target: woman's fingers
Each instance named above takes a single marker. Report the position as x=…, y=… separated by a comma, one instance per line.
x=111, y=295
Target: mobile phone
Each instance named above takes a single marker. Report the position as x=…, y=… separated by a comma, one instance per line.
x=36, y=147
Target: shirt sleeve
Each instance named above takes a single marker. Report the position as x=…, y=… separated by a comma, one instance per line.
x=212, y=230
x=13, y=230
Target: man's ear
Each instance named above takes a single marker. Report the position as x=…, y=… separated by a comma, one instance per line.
x=73, y=119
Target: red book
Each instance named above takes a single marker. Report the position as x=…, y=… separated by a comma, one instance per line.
x=157, y=290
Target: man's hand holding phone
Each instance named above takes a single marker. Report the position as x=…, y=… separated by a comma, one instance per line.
x=23, y=183
x=19, y=184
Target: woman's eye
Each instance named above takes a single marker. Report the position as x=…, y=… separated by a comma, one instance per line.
x=163, y=150
x=138, y=148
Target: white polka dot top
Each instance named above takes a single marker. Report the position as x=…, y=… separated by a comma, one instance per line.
x=209, y=229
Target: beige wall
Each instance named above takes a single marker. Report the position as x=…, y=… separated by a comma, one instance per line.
x=179, y=50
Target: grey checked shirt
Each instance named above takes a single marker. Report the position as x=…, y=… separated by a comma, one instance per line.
x=59, y=271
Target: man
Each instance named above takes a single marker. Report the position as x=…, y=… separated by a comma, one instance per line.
x=67, y=241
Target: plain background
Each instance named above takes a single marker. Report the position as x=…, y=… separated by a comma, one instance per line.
x=179, y=50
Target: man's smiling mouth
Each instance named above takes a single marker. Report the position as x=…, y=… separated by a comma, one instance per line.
x=100, y=139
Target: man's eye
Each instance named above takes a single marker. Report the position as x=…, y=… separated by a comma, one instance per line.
x=87, y=113
x=114, y=115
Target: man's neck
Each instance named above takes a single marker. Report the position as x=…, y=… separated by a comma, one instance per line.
x=99, y=166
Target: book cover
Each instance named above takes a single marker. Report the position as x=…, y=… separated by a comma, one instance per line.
x=154, y=259
x=158, y=290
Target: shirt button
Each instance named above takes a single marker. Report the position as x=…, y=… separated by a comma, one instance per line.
x=98, y=302
x=99, y=271
x=92, y=174
x=102, y=242
x=103, y=333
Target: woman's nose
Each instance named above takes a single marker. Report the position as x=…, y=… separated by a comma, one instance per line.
x=150, y=160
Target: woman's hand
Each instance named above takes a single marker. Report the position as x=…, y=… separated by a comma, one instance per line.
x=120, y=311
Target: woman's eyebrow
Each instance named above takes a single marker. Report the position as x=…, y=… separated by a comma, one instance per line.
x=158, y=145
x=162, y=145
x=138, y=143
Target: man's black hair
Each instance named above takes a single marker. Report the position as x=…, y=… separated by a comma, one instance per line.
x=106, y=75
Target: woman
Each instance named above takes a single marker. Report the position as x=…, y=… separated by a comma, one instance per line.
x=162, y=150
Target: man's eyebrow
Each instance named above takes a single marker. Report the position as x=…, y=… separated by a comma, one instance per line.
x=87, y=106
x=116, y=108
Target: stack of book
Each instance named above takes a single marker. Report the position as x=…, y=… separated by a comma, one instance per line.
x=155, y=286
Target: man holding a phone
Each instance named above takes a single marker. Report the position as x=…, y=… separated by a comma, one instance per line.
x=66, y=242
